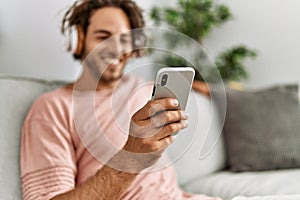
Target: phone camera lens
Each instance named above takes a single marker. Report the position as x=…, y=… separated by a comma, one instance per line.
x=164, y=79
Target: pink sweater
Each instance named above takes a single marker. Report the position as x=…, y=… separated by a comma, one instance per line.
x=59, y=149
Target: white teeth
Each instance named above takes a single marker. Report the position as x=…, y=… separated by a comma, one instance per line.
x=115, y=62
x=109, y=60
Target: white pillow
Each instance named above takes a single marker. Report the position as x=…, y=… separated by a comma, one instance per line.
x=201, y=135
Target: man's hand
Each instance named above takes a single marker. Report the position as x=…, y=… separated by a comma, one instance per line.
x=152, y=129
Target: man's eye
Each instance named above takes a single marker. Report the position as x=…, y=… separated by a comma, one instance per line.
x=102, y=38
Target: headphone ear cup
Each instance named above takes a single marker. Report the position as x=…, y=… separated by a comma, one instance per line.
x=72, y=40
x=79, y=42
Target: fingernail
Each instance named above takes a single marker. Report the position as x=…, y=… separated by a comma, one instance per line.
x=185, y=115
x=174, y=102
x=185, y=123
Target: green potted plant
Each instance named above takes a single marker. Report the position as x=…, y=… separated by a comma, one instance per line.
x=196, y=18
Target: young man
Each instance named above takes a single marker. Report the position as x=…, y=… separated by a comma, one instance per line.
x=61, y=153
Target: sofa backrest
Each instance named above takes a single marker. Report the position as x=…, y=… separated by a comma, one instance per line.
x=17, y=95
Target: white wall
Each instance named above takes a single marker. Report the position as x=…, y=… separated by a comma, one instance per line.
x=31, y=44
x=270, y=26
x=30, y=41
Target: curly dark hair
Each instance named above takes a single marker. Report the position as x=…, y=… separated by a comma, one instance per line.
x=80, y=13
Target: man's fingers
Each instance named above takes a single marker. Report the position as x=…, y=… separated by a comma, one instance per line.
x=171, y=129
x=166, y=141
x=154, y=107
x=154, y=125
x=168, y=117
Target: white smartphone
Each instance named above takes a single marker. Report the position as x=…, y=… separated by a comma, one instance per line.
x=174, y=82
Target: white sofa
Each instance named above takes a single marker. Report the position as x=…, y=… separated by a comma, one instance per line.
x=194, y=174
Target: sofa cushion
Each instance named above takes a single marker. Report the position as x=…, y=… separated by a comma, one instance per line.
x=262, y=129
x=230, y=184
x=17, y=95
x=269, y=197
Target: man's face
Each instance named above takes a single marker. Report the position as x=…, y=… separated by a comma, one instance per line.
x=107, y=59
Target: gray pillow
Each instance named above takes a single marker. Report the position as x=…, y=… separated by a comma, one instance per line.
x=262, y=129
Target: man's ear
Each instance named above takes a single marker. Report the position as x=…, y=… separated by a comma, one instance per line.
x=80, y=42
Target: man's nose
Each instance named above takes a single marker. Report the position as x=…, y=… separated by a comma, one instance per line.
x=116, y=46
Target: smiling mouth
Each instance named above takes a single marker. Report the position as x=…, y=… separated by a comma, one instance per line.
x=111, y=61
